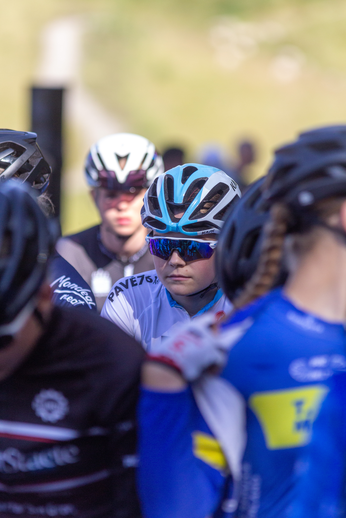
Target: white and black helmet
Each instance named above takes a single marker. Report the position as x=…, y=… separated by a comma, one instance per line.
x=123, y=161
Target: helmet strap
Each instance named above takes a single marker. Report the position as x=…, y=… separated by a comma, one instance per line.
x=206, y=290
x=8, y=331
x=39, y=317
x=314, y=220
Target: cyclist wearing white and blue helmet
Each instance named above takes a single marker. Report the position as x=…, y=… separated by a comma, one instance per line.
x=278, y=355
x=184, y=210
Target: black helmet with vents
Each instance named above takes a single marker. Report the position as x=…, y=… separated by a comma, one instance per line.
x=22, y=159
x=310, y=169
x=240, y=242
x=27, y=241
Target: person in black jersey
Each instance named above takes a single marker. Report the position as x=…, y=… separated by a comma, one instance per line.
x=22, y=159
x=119, y=168
x=68, y=386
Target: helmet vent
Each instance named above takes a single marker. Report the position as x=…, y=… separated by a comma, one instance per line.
x=122, y=160
x=101, y=161
x=154, y=223
x=144, y=159
x=325, y=146
x=194, y=189
x=175, y=210
x=187, y=172
x=220, y=215
x=249, y=243
x=153, y=201
x=253, y=198
x=285, y=170
x=169, y=188
x=210, y=201
x=200, y=227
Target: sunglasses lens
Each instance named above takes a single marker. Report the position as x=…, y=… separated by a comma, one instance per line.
x=160, y=248
x=196, y=250
x=188, y=250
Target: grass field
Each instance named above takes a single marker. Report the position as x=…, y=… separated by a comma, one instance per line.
x=189, y=71
x=203, y=71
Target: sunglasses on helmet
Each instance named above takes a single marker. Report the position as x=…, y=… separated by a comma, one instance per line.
x=188, y=249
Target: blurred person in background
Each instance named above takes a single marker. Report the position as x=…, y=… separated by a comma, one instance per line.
x=245, y=157
x=22, y=159
x=173, y=156
x=213, y=155
x=119, y=168
x=184, y=210
x=68, y=386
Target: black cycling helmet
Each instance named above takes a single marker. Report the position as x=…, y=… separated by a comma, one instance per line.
x=21, y=157
x=27, y=240
x=310, y=169
x=240, y=240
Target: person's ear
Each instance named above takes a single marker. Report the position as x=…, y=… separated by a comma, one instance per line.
x=44, y=301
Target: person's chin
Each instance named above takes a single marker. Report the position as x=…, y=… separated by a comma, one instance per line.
x=179, y=289
x=123, y=230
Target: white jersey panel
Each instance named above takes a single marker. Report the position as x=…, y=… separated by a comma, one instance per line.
x=140, y=306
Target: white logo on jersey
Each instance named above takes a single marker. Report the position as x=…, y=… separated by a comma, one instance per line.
x=317, y=368
x=305, y=321
x=15, y=461
x=101, y=282
x=50, y=405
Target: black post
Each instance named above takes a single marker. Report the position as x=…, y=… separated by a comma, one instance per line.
x=46, y=121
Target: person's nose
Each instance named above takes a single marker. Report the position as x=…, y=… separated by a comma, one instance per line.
x=176, y=260
x=122, y=201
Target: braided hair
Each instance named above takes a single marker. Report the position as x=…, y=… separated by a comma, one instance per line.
x=270, y=259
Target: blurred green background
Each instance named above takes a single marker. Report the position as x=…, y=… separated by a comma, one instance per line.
x=186, y=72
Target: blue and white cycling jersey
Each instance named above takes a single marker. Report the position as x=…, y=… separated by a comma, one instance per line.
x=69, y=288
x=144, y=309
x=278, y=370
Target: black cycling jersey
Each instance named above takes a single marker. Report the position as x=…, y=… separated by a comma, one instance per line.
x=69, y=288
x=99, y=267
x=67, y=423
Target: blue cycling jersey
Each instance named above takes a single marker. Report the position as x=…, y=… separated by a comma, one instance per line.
x=280, y=368
x=321, y=490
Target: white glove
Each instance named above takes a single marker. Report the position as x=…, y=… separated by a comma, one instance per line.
x=195, y=347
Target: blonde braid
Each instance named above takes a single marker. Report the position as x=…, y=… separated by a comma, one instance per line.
x=269, y=264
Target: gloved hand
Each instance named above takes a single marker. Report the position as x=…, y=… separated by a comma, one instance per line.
x=197, y=346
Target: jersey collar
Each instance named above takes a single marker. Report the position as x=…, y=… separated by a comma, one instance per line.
x=174, y=304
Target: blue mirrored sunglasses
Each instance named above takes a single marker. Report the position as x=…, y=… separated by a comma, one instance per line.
x=188, y=249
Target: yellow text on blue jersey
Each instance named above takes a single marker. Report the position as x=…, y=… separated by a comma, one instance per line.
x=286, y=416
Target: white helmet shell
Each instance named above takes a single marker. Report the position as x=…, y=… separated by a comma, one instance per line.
x=123, y=161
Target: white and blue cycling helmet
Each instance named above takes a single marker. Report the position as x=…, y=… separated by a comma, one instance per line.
x=190, y=199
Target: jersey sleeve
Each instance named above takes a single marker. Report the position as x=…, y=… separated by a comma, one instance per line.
x=69, y=289
x=119, y=310
x=320, y=488
x=180, y=459
x=69, y=251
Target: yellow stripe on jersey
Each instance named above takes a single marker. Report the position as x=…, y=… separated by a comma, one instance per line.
x=207, y=448
x=286, y=416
